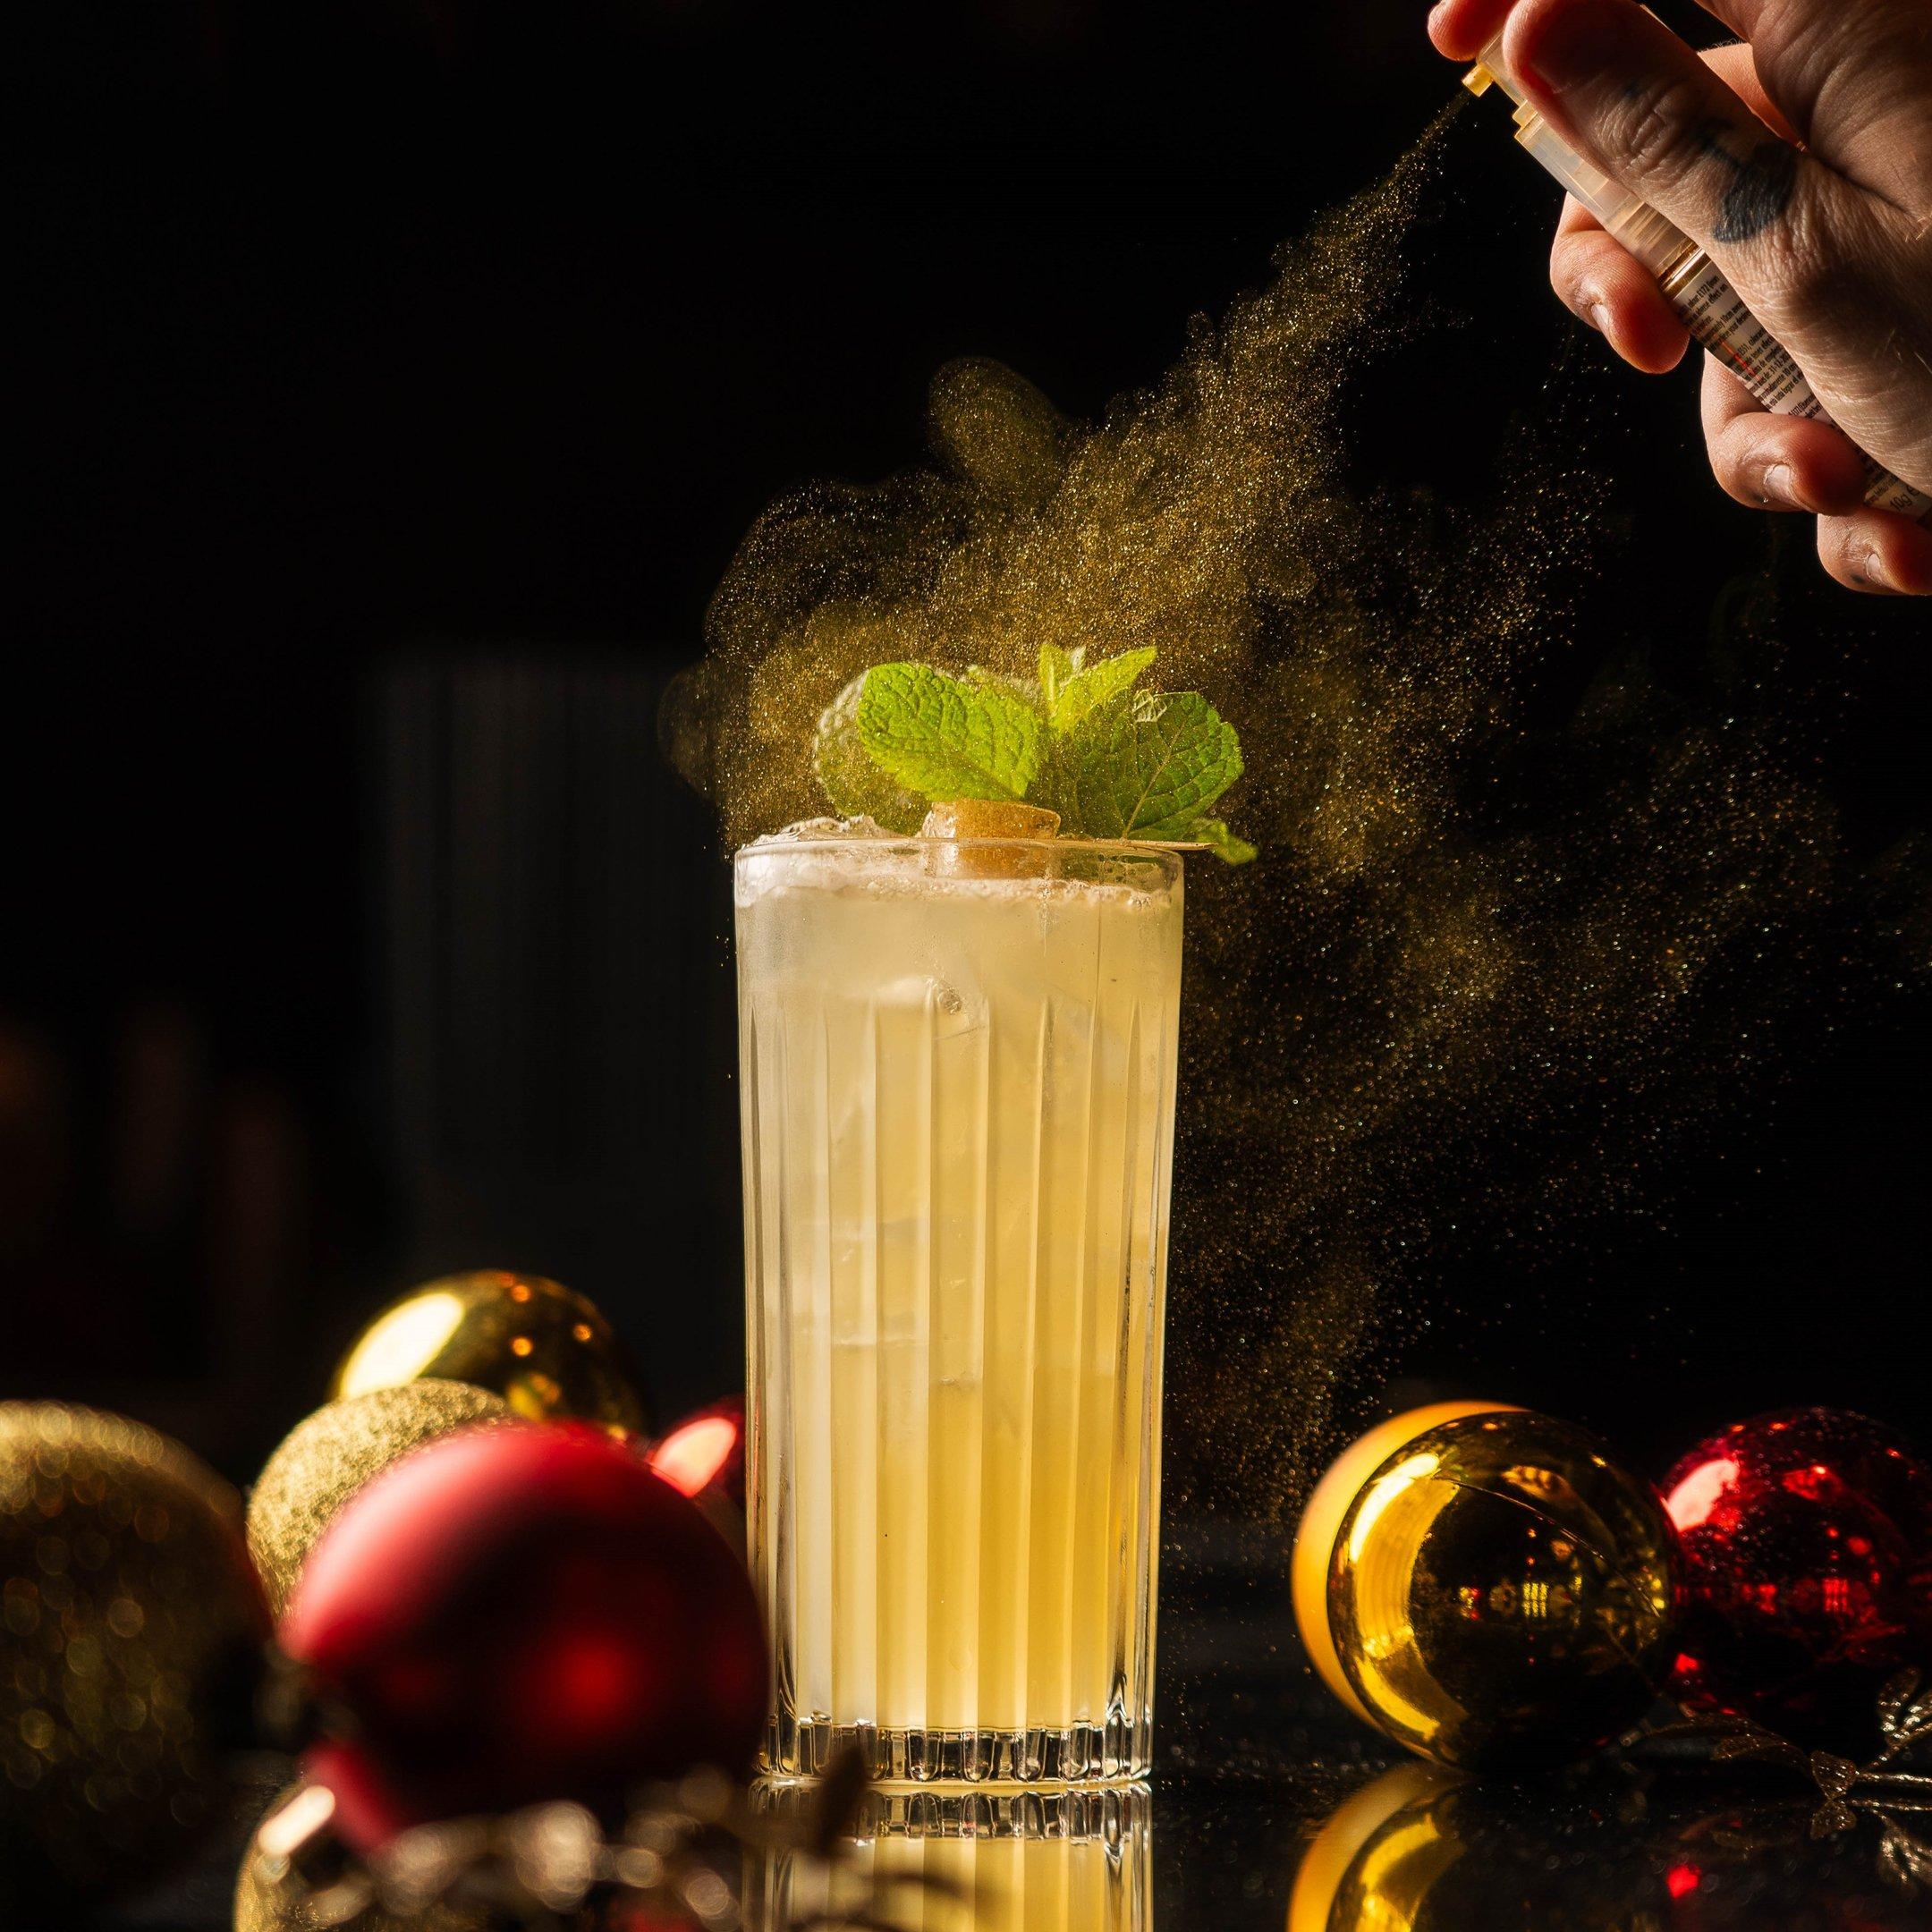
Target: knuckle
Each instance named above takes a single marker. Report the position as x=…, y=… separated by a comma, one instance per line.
x=1569, y=278
x=1654, y=131
x=1740, y=471
x=1847, y=553
x=1797, y=265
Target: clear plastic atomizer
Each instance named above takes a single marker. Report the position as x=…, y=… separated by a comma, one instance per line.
x=1697, y=290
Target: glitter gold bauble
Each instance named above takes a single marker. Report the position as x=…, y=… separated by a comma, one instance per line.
x=1499, y=1592
x=325, y=1459
x=546, y=1351
x=127, y=1607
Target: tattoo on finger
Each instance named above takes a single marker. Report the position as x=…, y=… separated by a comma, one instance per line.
x=1762, y=183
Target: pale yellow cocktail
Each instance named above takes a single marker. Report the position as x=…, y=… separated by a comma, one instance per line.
x=958, y=1063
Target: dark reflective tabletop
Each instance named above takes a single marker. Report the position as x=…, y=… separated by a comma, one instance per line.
x=1273, y=1809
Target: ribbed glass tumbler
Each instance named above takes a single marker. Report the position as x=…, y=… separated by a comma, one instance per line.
x=958, y=1078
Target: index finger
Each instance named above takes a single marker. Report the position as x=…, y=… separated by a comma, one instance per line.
x=1462, y=29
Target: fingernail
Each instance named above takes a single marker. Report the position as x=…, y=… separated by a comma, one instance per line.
x=1584, y=43
x=1599, y=317
x=1871, y=572
x=1779, y=485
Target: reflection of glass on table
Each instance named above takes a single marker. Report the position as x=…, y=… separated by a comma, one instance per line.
x=1062, y=1860
x=957, y=1066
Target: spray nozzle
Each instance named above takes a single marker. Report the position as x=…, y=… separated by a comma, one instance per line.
x=1656, y=242
x=1491, y=70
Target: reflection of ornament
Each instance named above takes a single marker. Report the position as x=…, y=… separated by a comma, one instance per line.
x=125, y=1603
x=516, y=1615
x=1335, y=1852
x=1498, y=1592
x=1764, y=1866
x=677, y=1857
x=1808, y=1556
x=544, y=1349
x=1417, y=1850
x=703, y=1457
x=325, y=1459
x=272, y=1897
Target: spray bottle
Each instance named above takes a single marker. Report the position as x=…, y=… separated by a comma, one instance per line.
x=1696, y=289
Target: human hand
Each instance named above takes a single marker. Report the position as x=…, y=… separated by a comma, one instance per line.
x=1830, y=244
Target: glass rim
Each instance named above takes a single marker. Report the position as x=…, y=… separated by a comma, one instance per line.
x=1166, y=854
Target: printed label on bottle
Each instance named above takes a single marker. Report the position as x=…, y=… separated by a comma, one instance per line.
x=1716, y=315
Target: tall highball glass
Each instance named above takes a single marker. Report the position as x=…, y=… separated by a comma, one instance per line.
x=958, y=1084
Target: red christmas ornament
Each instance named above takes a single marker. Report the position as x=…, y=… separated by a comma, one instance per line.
x=513, y=1614
x=703, y=1458
x=1807, y=1551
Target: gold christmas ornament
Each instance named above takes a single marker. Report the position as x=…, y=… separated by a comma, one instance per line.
x=126, y=1608
x=546, y=1350
x=1494, y=1590
x=1334, y=1496
x=325, y=1459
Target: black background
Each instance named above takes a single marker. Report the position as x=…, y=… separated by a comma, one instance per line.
x=426, y=360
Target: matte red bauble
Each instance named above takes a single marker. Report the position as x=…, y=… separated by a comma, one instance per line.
x=1808, y=1548
x=519, y=1613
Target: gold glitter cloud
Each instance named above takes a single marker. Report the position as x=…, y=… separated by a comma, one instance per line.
x=1482, y=974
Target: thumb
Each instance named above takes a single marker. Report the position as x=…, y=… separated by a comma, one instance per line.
x=1639, y=103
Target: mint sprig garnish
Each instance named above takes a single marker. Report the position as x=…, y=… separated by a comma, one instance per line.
x=1071, y=693
x=1113, y=761
x=944, y=739
x=1148, y=766
x=857, y=787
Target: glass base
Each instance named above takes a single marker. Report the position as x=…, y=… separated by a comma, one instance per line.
x=1113, y=1752
x=1111, y=1816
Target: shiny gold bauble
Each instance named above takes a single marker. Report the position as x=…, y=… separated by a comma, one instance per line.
x=1499, y=1593
x=325, y=1459
x=127, y=1606
x=546, y=1351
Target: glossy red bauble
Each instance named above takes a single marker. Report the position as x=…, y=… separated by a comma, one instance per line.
x=518, y=1614
x=703, y=1457
x=1807, y=1551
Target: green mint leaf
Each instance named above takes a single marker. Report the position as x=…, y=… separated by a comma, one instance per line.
x=1085, y=690
x=1147, y=765
x=945, y=739
x=1057, y=669
x=1025, y=690
x=1214, y=834
x=847, y=775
